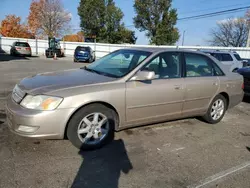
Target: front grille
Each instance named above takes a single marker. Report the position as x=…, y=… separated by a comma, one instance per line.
x=247, y=81
x=17, y=94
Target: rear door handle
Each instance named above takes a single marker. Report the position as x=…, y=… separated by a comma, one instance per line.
x=177, y=87
x=215, y=83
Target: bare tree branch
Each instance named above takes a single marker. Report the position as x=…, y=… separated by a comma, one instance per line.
x=231, y=32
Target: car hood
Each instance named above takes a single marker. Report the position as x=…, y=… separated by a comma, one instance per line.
x=244, y=71
x=51, y=81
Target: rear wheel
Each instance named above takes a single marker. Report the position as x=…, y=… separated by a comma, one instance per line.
x=216, y=110
x=92, y=127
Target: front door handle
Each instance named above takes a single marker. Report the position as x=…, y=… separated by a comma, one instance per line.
x=215, y=83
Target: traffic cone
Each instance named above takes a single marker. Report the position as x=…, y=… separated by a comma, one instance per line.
x=55, y=58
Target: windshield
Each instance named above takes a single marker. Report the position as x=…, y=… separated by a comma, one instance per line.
x=118, y=63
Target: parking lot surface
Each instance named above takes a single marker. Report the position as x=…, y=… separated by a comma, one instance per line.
x=183, y=153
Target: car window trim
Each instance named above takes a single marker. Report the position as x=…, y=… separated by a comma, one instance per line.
x=210, y=63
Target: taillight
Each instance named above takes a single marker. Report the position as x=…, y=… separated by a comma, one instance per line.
x=18, y=48
x=27, y=49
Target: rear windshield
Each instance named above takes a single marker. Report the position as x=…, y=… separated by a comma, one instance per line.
x=80, y=48
x=22, y=44
x=237, y=56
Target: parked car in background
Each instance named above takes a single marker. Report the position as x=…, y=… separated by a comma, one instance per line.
x=126, y=88
x=20, y=48
x=84, y=54
x=229, y=58
x=245, y=72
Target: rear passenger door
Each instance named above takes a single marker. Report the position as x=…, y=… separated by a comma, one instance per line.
x=201, y=84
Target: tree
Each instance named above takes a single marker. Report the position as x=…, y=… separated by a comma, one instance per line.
x=92, y=15
x=248, y=22
x=11, y=27
x=48, y=18
x=158, y=19
x=230, y=32
x=103, y=19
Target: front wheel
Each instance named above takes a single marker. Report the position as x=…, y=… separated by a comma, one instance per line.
x=92, y=127
x=216, y=110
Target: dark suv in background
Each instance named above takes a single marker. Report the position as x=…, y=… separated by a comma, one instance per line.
x=84, y=54
x=245, y=72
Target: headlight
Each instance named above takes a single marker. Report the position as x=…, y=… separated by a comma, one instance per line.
x=41, y=102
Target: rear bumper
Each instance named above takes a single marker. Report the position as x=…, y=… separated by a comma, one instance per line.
x=28, y=53
x=80, y=58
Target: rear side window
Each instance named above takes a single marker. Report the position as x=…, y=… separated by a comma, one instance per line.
x=217, y=56
x=217, y=70
x=198, y=65
x=226, y=57
x=237, y=56
x=22, y=44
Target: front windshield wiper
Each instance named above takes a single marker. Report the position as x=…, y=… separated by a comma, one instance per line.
x=99, y=72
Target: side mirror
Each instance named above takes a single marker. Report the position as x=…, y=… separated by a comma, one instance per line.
x=143, y=75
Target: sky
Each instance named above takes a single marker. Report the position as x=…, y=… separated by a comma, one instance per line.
x=196, y=31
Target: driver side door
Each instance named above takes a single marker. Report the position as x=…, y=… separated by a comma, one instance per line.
x=158, y=99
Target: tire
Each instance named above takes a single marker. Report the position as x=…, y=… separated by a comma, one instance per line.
x=235, y=70
x=208, y=117
x=86, y=112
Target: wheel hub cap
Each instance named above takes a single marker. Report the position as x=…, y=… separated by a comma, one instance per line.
x=217, y=109
x=93, y=128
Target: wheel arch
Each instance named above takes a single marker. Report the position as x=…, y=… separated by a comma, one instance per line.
x=91, y=103
x=224, y=94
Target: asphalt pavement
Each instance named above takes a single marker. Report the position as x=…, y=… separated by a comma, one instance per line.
x=184, y=153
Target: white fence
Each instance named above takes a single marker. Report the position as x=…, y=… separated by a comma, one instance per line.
x=38, y=47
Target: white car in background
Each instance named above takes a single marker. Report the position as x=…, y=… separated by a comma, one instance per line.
x=228, y=58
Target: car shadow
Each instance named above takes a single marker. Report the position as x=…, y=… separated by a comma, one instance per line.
x=2, y=116
x=102, y=168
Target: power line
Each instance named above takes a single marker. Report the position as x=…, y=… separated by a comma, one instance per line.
x=201, y=16
x=216, y=8
x=215, y=13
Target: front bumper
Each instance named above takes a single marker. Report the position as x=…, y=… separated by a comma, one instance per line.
x=35, y=123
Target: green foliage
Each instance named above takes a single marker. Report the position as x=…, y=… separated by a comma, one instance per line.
x=158, y=19
x=103, y=19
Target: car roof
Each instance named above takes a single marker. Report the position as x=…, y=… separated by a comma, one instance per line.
x=156, y=49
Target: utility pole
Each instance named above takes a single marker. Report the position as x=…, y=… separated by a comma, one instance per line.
x=183, y=37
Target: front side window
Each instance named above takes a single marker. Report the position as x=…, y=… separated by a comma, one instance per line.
x=119, y=63
x=165, y=65
x=198, y=65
